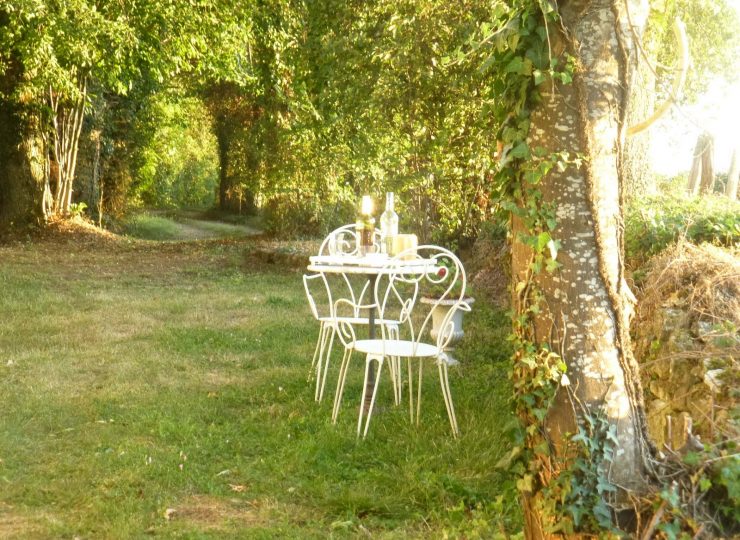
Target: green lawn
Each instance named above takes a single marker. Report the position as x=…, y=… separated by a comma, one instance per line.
x=177, y=226
x=159, y=389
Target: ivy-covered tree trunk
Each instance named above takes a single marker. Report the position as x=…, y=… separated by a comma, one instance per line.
x=584, y=306
x=21, y=156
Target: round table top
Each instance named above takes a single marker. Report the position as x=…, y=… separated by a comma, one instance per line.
x=376, y=263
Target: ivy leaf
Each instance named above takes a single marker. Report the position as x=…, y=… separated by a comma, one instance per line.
x=516, y=65
x=520, y=151
x=551, y=265
x=543, y=240
x=486, y=65
x=506, y=461
x=524, y=484
x=605, y=487
x=704, y=483
x=539, y=77
x=577, y=512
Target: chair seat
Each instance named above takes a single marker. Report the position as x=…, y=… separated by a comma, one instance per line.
x=396, y=347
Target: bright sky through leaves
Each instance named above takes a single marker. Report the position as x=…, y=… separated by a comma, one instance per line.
x=717, y=111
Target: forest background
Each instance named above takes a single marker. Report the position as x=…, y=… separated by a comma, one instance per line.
x=286, y=108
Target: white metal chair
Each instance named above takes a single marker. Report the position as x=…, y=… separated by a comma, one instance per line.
x=396, y=295
x=340, y=241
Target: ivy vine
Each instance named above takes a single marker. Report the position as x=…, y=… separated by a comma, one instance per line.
x=567, y=491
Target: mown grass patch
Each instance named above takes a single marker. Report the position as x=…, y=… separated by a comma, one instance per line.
x=150, y=227
x=153, y=392
x=166, y=226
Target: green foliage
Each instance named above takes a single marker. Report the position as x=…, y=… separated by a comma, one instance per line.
x=77, y=209
x=714, y=43
x=177, y=168
x=362, y=99
x=302, y=214
x=148, y=227
x=653, y=223
x=725, y=485
x=584, y=489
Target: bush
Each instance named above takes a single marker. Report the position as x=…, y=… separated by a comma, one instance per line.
x=292, y=215
x=653, y=223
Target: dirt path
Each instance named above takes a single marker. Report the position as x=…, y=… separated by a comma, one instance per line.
x=189, y=225
x=197, y=229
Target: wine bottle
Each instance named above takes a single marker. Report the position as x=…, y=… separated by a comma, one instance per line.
x=365, y=226
x=388, y=225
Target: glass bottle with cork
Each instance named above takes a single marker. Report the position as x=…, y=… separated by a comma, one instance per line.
x=388, y=224
x=365, y=227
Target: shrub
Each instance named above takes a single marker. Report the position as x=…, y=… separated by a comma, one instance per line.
x=293, y=215
x=653, y=223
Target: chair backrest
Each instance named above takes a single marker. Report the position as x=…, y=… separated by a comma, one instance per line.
x=415, y=293
x=307, y=279
x=343, y=241
x=323, y=290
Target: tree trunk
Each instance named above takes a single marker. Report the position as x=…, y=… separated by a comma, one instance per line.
x=707, y=167
x=21, y=155
x=586, y=303
x=638, y=175
x=701, y=176
x=695, y=173
x=67, y=118
x=223, y=138
x=732, y=177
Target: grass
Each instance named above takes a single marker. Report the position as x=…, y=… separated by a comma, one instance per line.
x=173, y=226
x=160, y=389
x=149, y=227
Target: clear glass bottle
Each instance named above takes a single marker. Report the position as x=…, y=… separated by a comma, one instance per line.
x=388, y=224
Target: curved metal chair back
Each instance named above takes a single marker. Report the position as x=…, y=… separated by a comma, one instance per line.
x=343, y=241
x=412, y=298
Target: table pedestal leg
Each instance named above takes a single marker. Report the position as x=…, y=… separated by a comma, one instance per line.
x=370, y=385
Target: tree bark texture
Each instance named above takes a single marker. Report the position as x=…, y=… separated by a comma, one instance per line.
x=638, y=175
x=587, y=302
x=732, y=176
x=21, y=156
x=695, y=173
x=701, y=175
x=707, y=167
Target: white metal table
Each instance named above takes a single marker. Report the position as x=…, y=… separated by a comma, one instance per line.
x=371, y=266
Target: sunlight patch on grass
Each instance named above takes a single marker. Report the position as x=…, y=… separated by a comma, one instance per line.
x=140, y=391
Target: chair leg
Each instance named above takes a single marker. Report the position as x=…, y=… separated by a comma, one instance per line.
x=316, y=352
x=340, y=384
x=418, y=392
x=379, y=360
x=327, y=357
x=395, y=365
x=320, y=364
x=444, y=382
x=411, y=390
